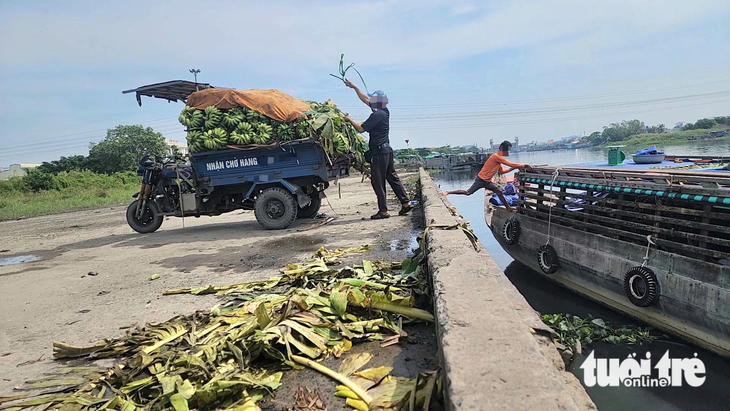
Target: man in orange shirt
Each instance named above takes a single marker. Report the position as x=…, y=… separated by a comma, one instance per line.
x=489, y=169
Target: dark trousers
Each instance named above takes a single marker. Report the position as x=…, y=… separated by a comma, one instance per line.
x=382, y=169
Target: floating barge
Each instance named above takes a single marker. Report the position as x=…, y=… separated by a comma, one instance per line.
x=653, y=244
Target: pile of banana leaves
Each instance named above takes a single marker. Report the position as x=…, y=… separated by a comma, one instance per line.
x=235, y=354
x=216, y=129
x=572, y=333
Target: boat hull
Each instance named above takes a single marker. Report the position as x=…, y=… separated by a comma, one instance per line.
x=694, y=297
x=649, y=159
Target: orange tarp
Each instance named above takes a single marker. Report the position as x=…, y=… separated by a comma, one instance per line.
x=271, y=103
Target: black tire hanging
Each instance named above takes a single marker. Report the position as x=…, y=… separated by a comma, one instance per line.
x=275, y=208
x=511, y=231
x=641, y=286
x=547, y=259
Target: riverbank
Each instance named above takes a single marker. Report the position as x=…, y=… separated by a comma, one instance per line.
x=92, y=277
x=662, y=139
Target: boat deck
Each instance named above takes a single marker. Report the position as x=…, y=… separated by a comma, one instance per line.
x=685, y=211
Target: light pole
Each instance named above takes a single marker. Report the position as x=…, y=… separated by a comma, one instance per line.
x=195, y=73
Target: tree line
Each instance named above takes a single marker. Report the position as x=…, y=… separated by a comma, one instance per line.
x=112, y=161
x=121, y=150
x=625, y=129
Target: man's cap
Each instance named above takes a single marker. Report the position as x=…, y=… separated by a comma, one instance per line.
x=378, y=99
x=379, y=93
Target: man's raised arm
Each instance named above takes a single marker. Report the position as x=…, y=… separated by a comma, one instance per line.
x=364, y=98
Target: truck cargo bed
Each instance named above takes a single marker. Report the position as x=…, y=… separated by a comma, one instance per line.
x=261, y=164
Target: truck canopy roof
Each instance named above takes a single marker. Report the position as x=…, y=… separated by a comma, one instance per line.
x=175, y=90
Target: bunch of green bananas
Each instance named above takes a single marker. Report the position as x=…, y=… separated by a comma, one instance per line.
x=243, y=134
x=215, y=139
x=232, y=118
x=263, y=133
x=191, y=118
x=284, y=132
x=253, y=116
x=303, y=129
x=341, y=143
x=213, y=118
x=195, y=141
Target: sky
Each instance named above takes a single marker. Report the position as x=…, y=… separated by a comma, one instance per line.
x=455, y=72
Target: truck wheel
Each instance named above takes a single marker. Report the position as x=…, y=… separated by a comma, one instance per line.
x=275, y=208
x=148, y=222
x=312, y=209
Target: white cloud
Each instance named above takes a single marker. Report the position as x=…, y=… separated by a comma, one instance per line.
x=380, y=33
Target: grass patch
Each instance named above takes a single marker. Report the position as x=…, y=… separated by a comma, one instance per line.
x=660, y=139
x=411, y=180
x=24, y=204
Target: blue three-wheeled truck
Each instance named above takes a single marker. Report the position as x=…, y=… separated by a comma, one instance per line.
x=280, y=182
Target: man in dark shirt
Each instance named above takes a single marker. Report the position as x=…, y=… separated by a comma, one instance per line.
x=382, y=166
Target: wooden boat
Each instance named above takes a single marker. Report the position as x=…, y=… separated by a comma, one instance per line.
x=648, y=158
x=651, y=244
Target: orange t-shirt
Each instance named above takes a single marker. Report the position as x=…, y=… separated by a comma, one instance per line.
x=494, y=164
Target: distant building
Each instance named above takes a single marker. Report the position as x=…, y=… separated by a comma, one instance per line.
x=15, y=170
x=183, y=147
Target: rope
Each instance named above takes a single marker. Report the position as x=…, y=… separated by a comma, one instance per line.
x=331, y=208
x=552, y=201
x=648, y=247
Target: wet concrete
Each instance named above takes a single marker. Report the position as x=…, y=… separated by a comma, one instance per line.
x=20, y=259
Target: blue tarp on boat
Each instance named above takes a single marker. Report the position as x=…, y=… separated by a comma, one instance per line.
x=510, y=194
x=649, y=151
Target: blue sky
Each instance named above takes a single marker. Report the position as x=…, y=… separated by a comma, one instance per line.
x=456, y=72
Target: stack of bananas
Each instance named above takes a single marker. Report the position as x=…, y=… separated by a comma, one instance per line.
x=216, y=129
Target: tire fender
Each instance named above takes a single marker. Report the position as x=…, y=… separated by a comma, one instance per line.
x=511, y=231
x=547, y=259
x=641, y=286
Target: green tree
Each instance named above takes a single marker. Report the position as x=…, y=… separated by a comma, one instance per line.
x=64, y=164
x=406, y=153
x=705, y=123
x=722, y=120
x=658, y=129
x=123, y=147
x=688, y=126
x=176, y=151
x=423, y=152
x=623, y=130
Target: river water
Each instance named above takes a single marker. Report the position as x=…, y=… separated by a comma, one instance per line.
x=547, y=298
